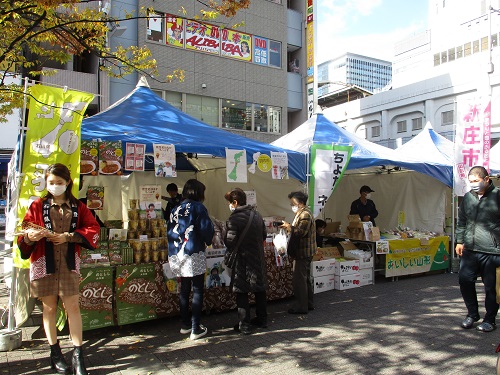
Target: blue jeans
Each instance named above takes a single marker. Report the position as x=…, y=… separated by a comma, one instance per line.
x=193, y=319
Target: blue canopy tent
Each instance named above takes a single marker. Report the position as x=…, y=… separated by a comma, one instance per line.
x=143, y=117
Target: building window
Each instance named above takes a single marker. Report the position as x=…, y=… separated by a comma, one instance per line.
x=401, y=126
x=437, y=59
x=460, y=52
x=451, y=54
x=156, y=28
x=484, y=43
x=174, y=98
x=274, y=119
x=236, y=115
x=203, y=108
x=260, y=118
x=375, y=131
x=467, y=49
x=275, y=54
x=447, y=118
x=444, y=57
x=494, y=40
x=416, y=123
x=475, y=46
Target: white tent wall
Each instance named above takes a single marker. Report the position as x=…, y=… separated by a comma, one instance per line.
x=420, y=197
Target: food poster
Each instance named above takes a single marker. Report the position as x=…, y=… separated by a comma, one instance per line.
x=150, y=202
x=110, y=158
x=95, y=197
x=165, y=164
x=260, y=50
x=136, y=293
x=216, y=274
x=236, y=45
x=280, y=165
x=96, y=297
x=202, y=37
x=236, y=161
x=175, y=31
x=134, y=156
x=89, y=157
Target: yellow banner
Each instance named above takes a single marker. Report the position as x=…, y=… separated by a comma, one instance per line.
x=415, y=255
x=53, y=136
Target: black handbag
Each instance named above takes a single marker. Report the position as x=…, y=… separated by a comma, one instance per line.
x=230, y=256
x=292, y=246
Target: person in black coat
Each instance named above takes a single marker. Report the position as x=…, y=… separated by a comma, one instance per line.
x=364, y=206
x=249, y=273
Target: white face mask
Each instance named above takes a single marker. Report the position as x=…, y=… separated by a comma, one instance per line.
x=295, y=209
x=231, y=208
x=477, y=186
x=368, y=196
x=57, y=190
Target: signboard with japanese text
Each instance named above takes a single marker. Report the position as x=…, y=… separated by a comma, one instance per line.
x=236, y=45
x=310, y=52
x=175, y=31
x=96, y=297
x=134, y=156
x=202, y=37
x=280, y=165
x=260, y=50
x=472, y=139
x=328, y=163
x=411, y=256
x=165, y=162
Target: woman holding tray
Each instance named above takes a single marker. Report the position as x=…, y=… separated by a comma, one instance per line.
x=56, y=227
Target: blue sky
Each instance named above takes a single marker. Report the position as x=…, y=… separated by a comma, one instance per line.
x=366, y=27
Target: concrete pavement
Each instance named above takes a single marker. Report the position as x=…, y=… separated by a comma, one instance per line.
x=410, y=326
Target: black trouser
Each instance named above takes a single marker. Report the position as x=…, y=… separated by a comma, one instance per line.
x=244, y=306
x=302, y=281
x=472, y=265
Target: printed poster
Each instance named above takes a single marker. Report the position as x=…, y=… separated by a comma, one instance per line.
x=110, y=158
x=202, y=37
x=96, y=297
x=236, y=45
x=236, y=161
x=134, y=156
x=328, y=163
x=265, y=163
x=95, y=197
x=251, y=197
x=175, y=31
x=89, y=157
x=150, y=202
x=279, y=165
x=472, y=140
x=53, y=136
x=260, y=50
x=216, y=274
x=165, y=162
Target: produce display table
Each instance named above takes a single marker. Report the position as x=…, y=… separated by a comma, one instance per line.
x=116, y=295
x=410, y=256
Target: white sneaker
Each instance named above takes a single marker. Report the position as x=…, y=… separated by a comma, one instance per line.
x=185, y=330
x=202, y=331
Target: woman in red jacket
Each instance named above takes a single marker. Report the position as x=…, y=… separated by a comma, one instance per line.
x=63, y=225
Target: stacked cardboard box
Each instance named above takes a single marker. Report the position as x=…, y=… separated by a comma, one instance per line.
x=365, y=259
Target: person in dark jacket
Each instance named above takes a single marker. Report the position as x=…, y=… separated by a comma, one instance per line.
x=249, y=273
x=173, y=199
x=364, y=206
x=478, y=244
x=304, y=228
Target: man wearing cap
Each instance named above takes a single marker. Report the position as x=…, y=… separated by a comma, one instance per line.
x=364, y=206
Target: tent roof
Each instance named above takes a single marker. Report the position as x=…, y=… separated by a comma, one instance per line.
x=365, y=154
x=144, y=117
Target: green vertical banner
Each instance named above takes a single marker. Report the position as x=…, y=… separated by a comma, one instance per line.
x=328, y=164
x=53, y=136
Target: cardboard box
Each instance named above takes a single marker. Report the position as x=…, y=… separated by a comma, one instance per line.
x=324, y=283
x=355, y=231
x=332, y=227
x=346, y=267
x=347, y=281
x=366, y=276
x=323, y=267
x=328, y=252
x=365, y=260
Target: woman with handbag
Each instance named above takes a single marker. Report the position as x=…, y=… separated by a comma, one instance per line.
x=245, y=236
x=302, y=232
x=58, y=225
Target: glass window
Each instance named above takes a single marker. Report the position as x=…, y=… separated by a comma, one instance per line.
x=484, y=43
x=494, y=40
x=460, y=51
x=467, y=49
x=203, y=108
x=475, y=46
x=401, y=126
x=158, y=92
x=437, y=59
x=274, y=119
x=156, y=28
x=451, y=54
x=234, y=115
x=260, y=118
x=174, y=98
x=444, y=57
x=375, y=131
x=275, y=54
x=416, y=123
x=447, y=118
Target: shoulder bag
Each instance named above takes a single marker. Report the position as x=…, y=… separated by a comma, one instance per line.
x=230, y=256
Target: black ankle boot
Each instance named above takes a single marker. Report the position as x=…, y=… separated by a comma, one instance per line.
x=57, y=361
x=77, y=362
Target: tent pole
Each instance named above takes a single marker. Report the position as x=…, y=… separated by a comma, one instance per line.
x=454, y=198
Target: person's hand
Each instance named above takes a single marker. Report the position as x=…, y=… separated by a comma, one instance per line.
x=286, y=226
x=57, y=238
x=459, y=249
x=34, y=235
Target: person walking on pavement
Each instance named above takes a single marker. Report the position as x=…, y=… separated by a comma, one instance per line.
x=364, y=206
x=249, y=272
x=189, y=231
x=59, y=226
x=478, y=245
x=303, y=228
